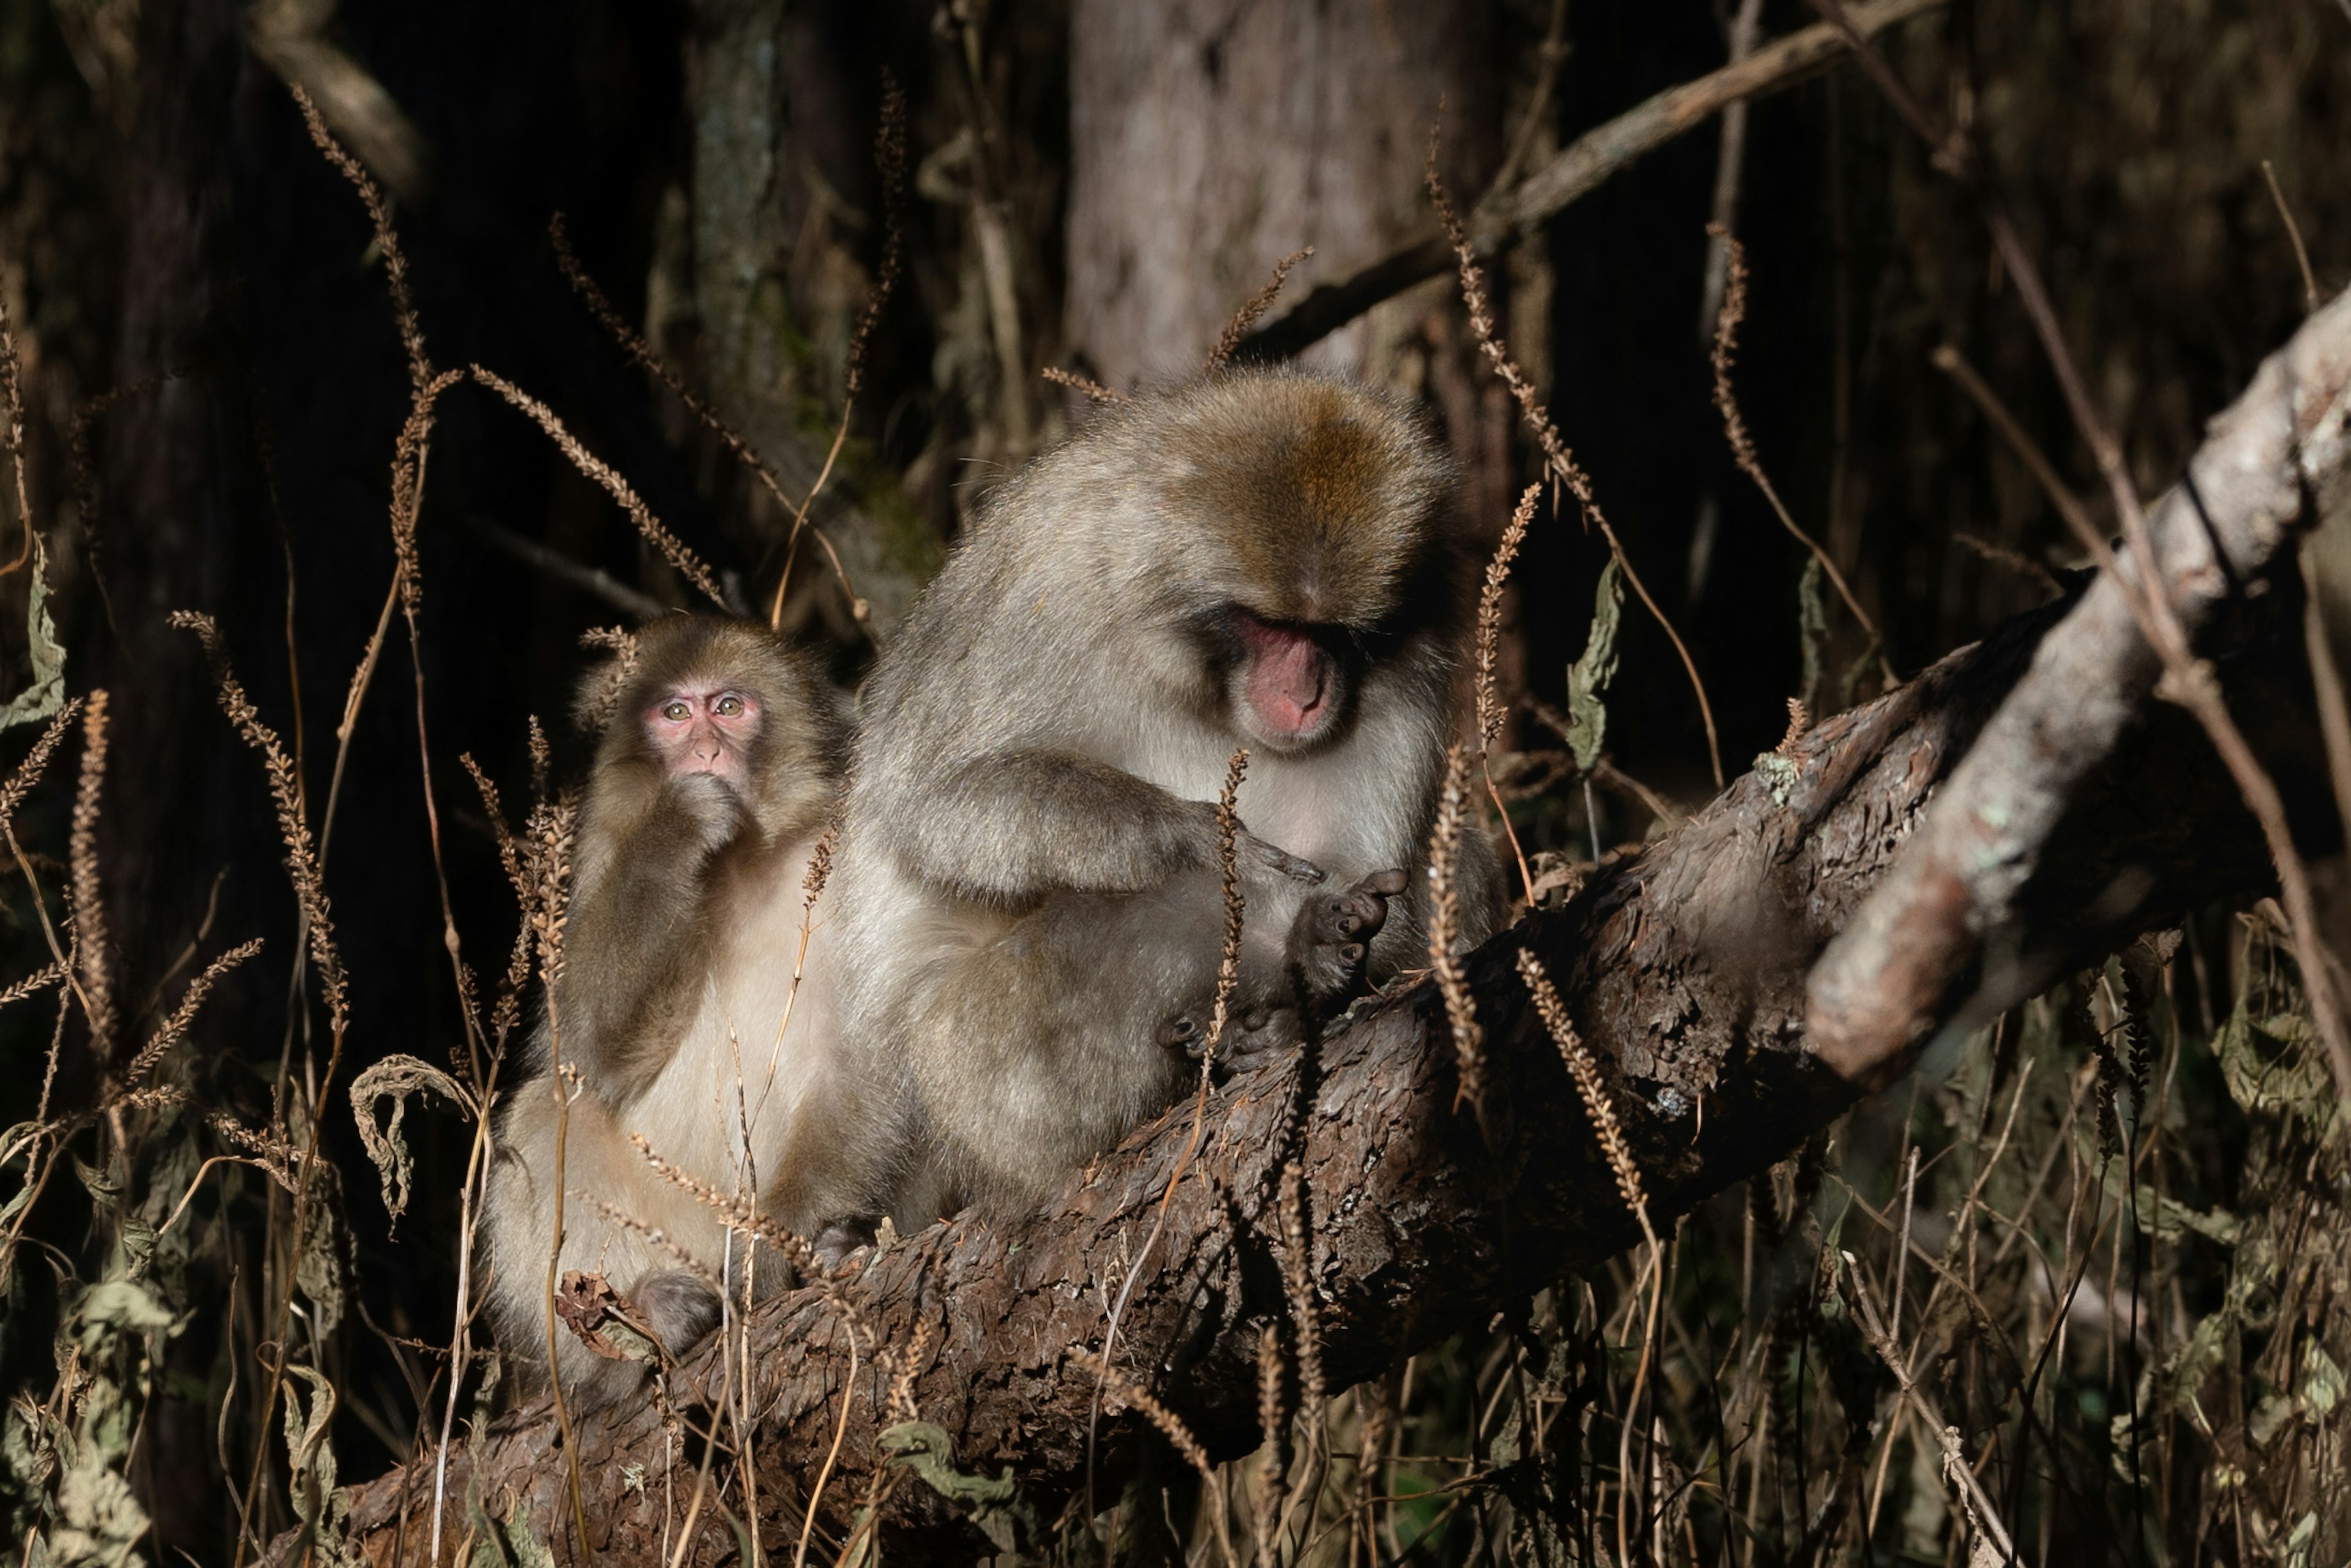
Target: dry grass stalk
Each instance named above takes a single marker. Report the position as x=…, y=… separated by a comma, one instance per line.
x=1799, y=721
x=37, y=761
x=654, y=1236
x=907, y=1361
x=1490, y=711
x=642, y=353
x=1557, y=459
x=12, y=434
x=1273, y=1461
x=1588, y=1087
x=1742, y=443
x=1126, y=1392
x=91, y=942
x=689, y=565
x=1228, y=342
x=1444, y=927
x=2017, y=561
x=395, y=264
x=596, y=711
x=170, y=1032
x=1298, y=1284
x=1228, y=968
x=293, y=828
x=39, y=979
x=1086, y=386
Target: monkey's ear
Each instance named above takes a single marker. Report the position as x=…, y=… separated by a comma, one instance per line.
x=601, y=685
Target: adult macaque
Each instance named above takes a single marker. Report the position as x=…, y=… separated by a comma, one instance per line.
x=1029, y=908
x=715, y=776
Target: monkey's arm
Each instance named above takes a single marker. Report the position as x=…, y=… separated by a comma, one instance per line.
x=1015, y=825
x=632, y=929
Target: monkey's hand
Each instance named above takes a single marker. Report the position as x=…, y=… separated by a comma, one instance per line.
x=1330, y=941
x=707, y=811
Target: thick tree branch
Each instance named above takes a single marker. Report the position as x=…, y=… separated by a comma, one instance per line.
x=1939, y=942
x=1504, y=217
x=1684, y=967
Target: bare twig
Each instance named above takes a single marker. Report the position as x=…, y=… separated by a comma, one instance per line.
x=1506, y=216
x=1742, y=443
x=2294, y=232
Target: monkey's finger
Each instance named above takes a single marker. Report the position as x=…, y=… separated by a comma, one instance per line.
x=1387, y=883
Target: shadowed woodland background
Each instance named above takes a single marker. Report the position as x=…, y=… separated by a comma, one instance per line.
x=212, y=383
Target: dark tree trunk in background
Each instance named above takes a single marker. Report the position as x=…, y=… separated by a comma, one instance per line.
x=1209, y=142
x=779, y=152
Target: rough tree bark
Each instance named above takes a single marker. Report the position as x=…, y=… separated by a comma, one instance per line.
x=1684, y=966
x=1208, y=143
x=768, y=119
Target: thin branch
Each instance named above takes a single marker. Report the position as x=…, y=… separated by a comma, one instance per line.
x=1504, y=217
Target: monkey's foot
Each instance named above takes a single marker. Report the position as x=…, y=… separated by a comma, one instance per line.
x=1248, y=1032
x=839, y=1238
x=678, y=1307
x=1330, y=941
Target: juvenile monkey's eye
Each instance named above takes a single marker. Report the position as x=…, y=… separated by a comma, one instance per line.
x=675, y=711
x=730, y=706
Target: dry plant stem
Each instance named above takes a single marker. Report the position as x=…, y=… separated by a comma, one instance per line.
x=662, y=371
x=1629, y=1186
x=90, y=939
x=1085, y=386
x=1229, y=972
x=1444, y=927
x=1503, y=217
x=2294, y=232
x=1729, y=162
x=1742, y=443
x=1229, y=340
x=1561, y=461
x=2147, y=591
x=1955, y=1465
x=689, y=565
x=1490, y=711
x=317, y=925
x=831, y=1455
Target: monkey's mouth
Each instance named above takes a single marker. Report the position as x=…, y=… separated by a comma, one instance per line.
x=1291, y=682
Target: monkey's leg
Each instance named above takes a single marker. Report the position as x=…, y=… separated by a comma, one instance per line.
x=1033, y=1051
x=678, y=1303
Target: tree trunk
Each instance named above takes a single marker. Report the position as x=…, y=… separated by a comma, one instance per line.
x=1683, y=966
x=1209, y=142
x=775, y=139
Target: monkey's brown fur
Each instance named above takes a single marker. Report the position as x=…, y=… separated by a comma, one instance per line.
x=1029, y=905
x=684, y=921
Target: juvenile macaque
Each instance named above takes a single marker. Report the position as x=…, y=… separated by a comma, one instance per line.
x=1029, y=914
x=715, y=776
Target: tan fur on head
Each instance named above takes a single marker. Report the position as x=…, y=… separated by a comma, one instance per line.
x=1327, y=493
x=801, y=741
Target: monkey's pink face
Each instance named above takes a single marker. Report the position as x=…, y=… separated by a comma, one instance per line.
x=704, y=730
x=1290, y=691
